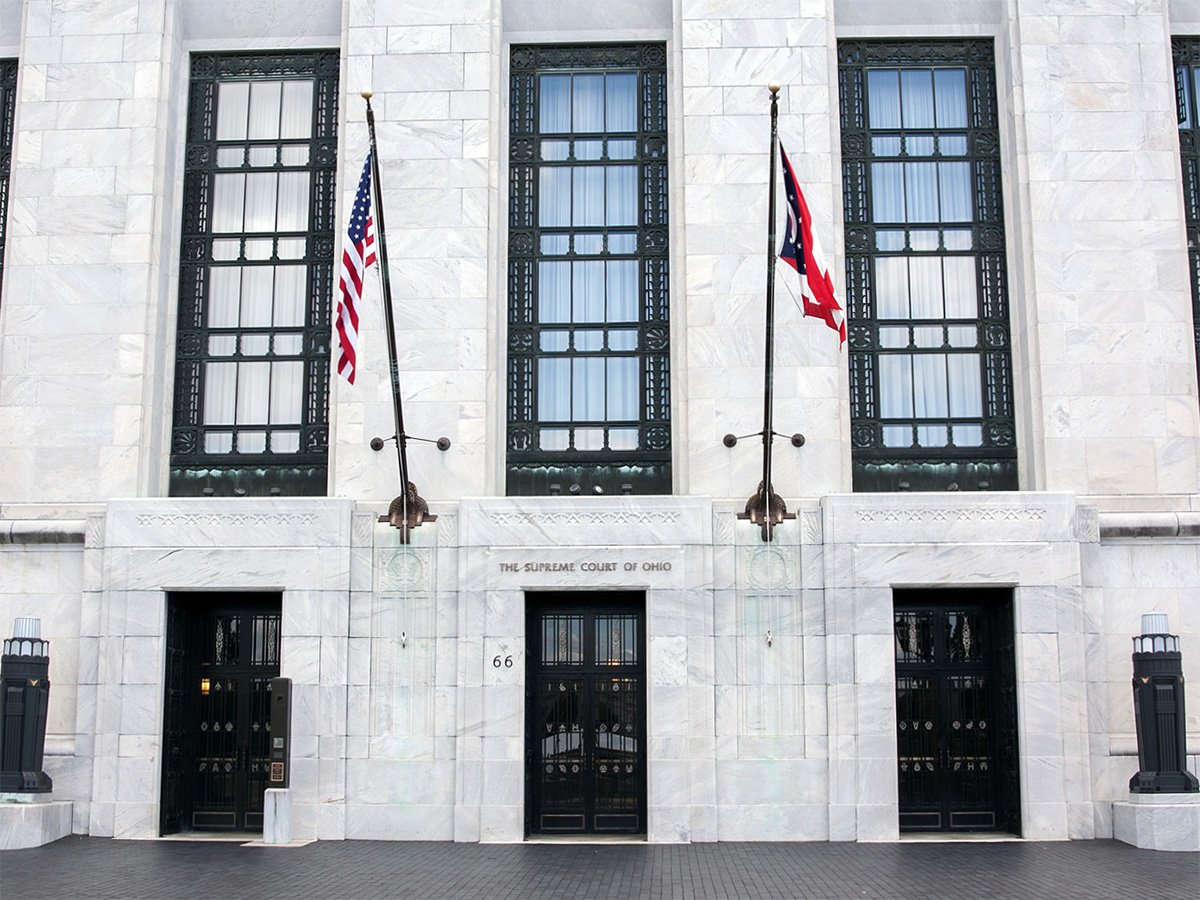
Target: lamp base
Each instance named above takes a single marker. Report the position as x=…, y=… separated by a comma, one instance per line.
x=1158, y=821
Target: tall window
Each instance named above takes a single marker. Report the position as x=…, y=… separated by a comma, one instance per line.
x=8, y=108
x=926, y=277
x=588, y=335
x=1187, y=92
x=256, y=276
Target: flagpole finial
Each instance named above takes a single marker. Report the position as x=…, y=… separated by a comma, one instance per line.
x=367, y=95
x=773, y=87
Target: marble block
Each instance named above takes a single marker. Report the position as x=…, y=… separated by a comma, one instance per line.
x=277, y=816
x=1158, y=821
x=33, y=824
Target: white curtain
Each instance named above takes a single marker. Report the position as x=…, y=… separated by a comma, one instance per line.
x=554, y=104
x=287, y=392
x=554, y=292
x=261, y=201
x=622, y=195
x=229, y=202
x=623, y=290
x=587, y=98
x=293, y=201
x=587, y=390
x=916, y=97
x=296, y=118
x=621, y=102
x=290, y=300
x=554, y=196
x=253, y=393
x=883, y=98
x=554, y=389
x=588, y=291
x=264, y=110
x=224, y=291
x=951, y=91
x=220, y=392
x=622, y=388
x=233, y=101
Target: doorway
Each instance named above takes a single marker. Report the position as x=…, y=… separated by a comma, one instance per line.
x=585, y=744
x=956, y=722
x=222, y=652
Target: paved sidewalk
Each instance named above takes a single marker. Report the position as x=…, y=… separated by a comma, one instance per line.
x=97, y=868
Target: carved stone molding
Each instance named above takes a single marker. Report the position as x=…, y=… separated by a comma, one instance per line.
x=951, y=515
x=224, y=520
x=1087, y=524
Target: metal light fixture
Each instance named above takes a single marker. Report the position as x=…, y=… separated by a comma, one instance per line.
x=24, y=701
x=1158, y=711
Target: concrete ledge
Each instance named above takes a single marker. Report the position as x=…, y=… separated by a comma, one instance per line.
x=1158, y=821
x=33, y=824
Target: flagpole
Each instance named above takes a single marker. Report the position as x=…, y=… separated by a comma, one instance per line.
x=769, y=353
x=381, y=235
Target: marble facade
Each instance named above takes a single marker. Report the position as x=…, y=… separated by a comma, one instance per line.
x=771, y=684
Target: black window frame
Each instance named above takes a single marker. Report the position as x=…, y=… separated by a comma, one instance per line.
x=529, y=469
x=194, y=472
x=1185, y=52
x=993, y=464
x=8, y=140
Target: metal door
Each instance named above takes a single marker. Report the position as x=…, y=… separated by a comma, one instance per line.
x=955, y=719
x=585, y=740
x=221, y=658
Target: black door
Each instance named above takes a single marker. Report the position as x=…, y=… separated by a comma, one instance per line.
x=956, y=732
x=222, y=652
x=586, y=718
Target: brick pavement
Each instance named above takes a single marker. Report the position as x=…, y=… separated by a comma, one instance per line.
x=87, y=867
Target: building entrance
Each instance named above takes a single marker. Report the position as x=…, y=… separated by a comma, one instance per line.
x=222, y=652
x=956, y=723
x=585, y=743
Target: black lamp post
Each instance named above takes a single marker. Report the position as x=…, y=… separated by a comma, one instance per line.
x=1158, y=711
x=24, y=700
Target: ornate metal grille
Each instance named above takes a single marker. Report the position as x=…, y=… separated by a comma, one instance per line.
x=956, y=726
x=588, y=331
x=1186, y=52
x=8, y=107
x=586, y=714
x=251, y=408
x=930, y=360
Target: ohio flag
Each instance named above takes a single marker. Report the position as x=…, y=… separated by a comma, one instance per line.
x=357, y=256
x=802, y=252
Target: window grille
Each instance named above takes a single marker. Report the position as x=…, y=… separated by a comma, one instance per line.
x=926, y=275
x=256, y=276
x=588, y=331
x=1186, y=51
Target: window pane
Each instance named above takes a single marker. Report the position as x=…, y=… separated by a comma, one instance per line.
x=897, y=435
x=288, y=344
x=222, y=345
x=932, y=435
x=623, y=290
x=251, y=441
x=589, y=340
x=916, y=97
x=285, y=442
x=588, y=292
x=929, y=385
x=218, y=442
x=588, y=195
x=921, y=191
x=962, y=293
x=956, y=191
x=264, y=110
x=951, y=90
x=554, y=389
x=220, y=392
x=928, y=337
x=554, y=103
x=556, y=150
x=621, y=107
x=233, y=99
x=891, y=287
x=229, y=197
x=966, y=392
x=622, y=438
x=925, y=287
x=589, y=149
x=296, y=119
x=623, y=339
x=257, y=296
x=962, y=335
x=886, y=146
x=260, y=201
x=253, y=393
x=952, y=144
x=895, y=338
x=256, y=344
x=883, y=98
x=587, y=394
x=555, y=438
x=262, y=156
x=554, y=197
x=589, y=438
x=588, y=103
x=554, y=291
x=293, y=201
x=919, y=144
x=622, y=195
x=555, y=341
x=887, y=192
x=622, y=388
x=967, y=435
x=622, y=149
x=289, y=296
x=224, y=289
x=287, y=392
x=895, y=386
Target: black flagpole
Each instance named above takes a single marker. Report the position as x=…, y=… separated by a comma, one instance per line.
x=769, y=354
x=398, y=408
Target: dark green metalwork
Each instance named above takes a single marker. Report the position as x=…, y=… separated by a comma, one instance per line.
x=1186, y=52
x=646, y=468
x=989, y=461
x=304, y=471
x=8, y=107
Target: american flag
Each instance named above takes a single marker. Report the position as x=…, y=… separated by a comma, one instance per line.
x=357, y=256
x=802, y=252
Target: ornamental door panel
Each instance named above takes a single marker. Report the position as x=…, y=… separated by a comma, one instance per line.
x=585, y=743
x=955, y=714
x=217, y=711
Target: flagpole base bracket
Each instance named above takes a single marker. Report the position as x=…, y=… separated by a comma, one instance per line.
x=406, y=512
x=766, y=515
